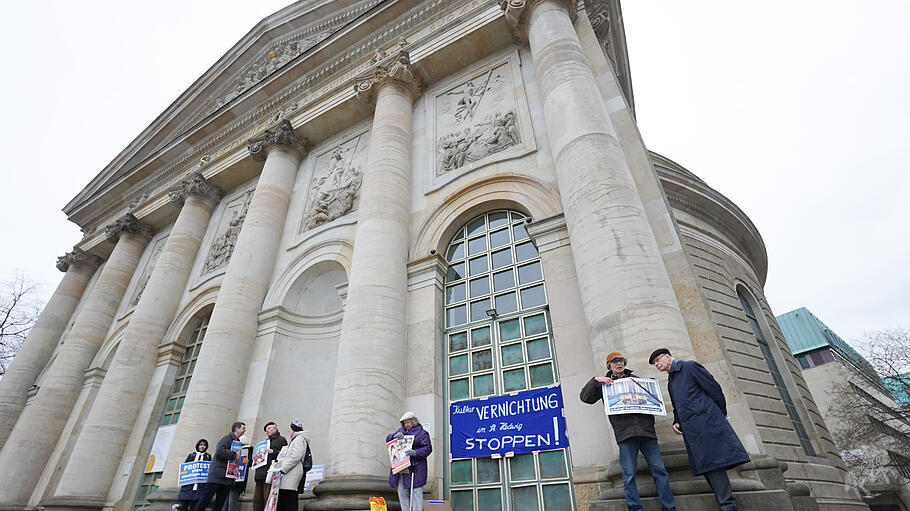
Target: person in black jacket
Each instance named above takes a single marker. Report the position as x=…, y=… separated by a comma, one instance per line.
x=217, y=484
x=263, y=482
x=634, y=432
x=190, y=493
x=239, y=486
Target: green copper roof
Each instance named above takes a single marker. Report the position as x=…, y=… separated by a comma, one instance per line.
x=898, y=386
x=805, y=332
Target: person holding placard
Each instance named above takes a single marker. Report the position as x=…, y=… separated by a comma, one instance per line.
x=190, y=493
x=291, y=468
x=217, y=484
x=263, y=483
x=410, y=483
x=239, y=486
x=634, y=432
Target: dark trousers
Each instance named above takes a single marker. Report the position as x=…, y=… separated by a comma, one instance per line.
x=261, y=495
x=219, y=491
x=287, y=500
x=720, y=484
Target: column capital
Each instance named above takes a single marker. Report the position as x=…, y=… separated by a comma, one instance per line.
x=77, y=257
x=282, y=135
x=518, y=14
x=127, y=223
x=399, y=71
x=195, y=184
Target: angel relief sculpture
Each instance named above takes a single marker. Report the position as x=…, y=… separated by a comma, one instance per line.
x=334, y=192
x=493, y=134
x=223, y=246
x=467, y=139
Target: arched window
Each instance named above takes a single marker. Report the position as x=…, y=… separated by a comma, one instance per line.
x=184, y=374
x=149, y=482
x=776, y=376
x=499, y=340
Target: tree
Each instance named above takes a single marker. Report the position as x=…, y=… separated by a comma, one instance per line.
x=889, y=353
x=20, y=305
x=871, y=431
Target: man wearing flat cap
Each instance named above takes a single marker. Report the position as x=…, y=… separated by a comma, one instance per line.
x=700, y=416
x=634, y=432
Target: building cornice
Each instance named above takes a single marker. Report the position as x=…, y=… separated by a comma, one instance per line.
x=322, y=72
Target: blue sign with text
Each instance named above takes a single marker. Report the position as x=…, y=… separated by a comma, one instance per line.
x=524, y=422
x=193, y=472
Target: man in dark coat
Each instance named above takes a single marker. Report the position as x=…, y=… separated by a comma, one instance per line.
x=700, y=416
x=634, y=432
x=263, y=482
x=217, y=484
x=410, y=485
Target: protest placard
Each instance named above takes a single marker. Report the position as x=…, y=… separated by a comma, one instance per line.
x=397, y=457
x=313, y=477
x=193, y=472
x=524, y=422
x=272, y=503
x=634, y=395
x=260, y=457
x=236, y=470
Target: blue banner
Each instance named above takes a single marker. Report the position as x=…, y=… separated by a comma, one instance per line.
x=193, y=472
x=524, y=422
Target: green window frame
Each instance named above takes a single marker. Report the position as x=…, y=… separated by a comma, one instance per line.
x=147, y=485
x=498, y=340
x=174, y=403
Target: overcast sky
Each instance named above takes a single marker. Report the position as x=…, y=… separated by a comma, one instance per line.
x=797, y=111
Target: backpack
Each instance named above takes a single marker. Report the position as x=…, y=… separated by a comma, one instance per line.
x=307, y=463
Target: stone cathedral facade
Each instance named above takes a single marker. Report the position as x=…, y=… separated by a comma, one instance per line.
x=372, y=206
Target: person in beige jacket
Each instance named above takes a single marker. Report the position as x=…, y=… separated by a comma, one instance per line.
x=291, y=467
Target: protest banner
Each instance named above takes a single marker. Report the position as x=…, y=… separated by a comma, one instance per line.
x=633, y=395
x=397, y=457
x=236, y=470
x=260, y=457
x=272, y=503
x=313, y=477
x=193, y=472
x=523, y=422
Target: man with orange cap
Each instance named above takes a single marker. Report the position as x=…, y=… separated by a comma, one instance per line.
x=634, y=432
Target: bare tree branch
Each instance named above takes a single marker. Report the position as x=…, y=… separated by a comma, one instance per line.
x=20, y=305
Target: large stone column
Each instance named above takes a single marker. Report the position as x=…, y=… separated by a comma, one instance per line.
x=213, y=398
x=369, y=379
x=78, y=268
x=626, y=293
x=107, y=428
x=40, y=424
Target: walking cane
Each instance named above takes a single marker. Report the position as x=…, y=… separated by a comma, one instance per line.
x=411, y=500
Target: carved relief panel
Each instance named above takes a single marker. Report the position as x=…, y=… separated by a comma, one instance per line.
x=222, y=246
x=335, y=184
x=157, y=248
x=477, y=118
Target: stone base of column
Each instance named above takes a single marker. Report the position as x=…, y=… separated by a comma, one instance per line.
x=352, y=493
x=9, y=507
x=163, y=499
x=65, y=502
x=758, y=485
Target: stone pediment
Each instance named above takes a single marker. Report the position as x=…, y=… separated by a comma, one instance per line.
x=297, y=64
x=218, y=96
